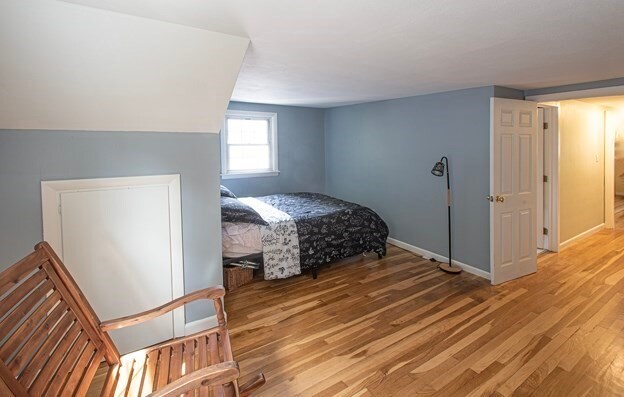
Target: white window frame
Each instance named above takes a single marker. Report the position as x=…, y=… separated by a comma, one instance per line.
x=272, y=119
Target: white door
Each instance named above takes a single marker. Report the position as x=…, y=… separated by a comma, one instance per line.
x=117, y=244
x=513, y=173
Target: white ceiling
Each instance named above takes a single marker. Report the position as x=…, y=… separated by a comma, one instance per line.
x=331, y=52
x=614, y=102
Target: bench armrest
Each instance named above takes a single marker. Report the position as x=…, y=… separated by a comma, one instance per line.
x=214, y=293
x=214, y=375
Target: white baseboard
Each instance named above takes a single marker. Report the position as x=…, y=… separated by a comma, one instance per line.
x=586, y=233
x=440, y=258
x=200, y=325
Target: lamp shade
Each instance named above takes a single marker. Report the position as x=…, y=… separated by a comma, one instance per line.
x=438, y=169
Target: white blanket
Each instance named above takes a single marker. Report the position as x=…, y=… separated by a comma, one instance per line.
x=280, y=241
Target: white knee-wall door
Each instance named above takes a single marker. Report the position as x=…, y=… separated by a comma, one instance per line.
x=121, y=241
x=513, y=189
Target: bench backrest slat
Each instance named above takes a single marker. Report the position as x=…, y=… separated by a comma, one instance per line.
x=50, y=339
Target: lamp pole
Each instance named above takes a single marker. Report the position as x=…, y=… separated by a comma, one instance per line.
x=438, y=170
x=448, y=206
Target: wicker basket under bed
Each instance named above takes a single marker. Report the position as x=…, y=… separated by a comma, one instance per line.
x=235, y=277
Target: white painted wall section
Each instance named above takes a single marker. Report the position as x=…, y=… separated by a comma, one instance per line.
x=70, y=67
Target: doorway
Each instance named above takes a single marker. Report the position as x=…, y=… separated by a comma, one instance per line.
x=121, y=240
x=552, y=184
x=588, y=146
x=547, y=177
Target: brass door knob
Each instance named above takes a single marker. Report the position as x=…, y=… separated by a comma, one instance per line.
x=489, y=198
x=500, y=199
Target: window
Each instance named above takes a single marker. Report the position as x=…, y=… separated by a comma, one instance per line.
x=249, y=144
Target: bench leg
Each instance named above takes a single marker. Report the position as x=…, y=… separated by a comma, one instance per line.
x=314, y=273
x=229, y=390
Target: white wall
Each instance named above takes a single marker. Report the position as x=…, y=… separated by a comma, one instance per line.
x=70, y=67
x=582, y=167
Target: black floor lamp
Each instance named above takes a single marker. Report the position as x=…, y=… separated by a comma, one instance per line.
x=438, y=170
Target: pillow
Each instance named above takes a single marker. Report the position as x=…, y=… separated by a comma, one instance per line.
x=225, y=192
x=235, y=211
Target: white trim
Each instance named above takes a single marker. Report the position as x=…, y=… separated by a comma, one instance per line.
x=440, y=258
x=578, y=94
x=609, y=202
x=586, y=233
x=50, y=201
x=542, y=241
x=551, y=116
x=273, y=145
x=249, y=174
x=202, y=324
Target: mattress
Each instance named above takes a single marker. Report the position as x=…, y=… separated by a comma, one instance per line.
x=240, y=239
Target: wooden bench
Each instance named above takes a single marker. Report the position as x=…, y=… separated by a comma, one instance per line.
x=52, y=342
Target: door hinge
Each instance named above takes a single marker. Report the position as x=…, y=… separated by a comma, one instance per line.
x=545, y=126
x=545, y=178
x=545, y=232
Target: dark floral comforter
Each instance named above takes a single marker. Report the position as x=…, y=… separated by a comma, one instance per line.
x=330, y=229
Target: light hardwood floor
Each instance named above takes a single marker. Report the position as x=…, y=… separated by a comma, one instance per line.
x=400, y=327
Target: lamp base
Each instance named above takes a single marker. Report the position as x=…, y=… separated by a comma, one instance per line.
x=445, y=267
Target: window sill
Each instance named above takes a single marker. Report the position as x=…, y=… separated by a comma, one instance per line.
x=250, y=175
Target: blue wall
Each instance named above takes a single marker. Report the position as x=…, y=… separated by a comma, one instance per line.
x=380, y=154
x=28, y=157
x=301, y=151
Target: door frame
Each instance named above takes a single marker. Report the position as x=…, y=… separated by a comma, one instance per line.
x=609, y=185
x=551, y=116
x=52, y=232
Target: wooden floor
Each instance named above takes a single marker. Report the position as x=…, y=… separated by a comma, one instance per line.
x=398, y=326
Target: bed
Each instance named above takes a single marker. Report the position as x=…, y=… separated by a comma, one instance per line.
x=298, y=232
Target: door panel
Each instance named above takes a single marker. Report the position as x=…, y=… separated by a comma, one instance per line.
x=116, y=243
x=506, y=156
x=506, y=246
x=513, y=214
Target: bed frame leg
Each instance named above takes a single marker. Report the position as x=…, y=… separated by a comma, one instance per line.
x=314, y=273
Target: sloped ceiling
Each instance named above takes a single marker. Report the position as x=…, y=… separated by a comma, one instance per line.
x=69, y=67
x=331, y=52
